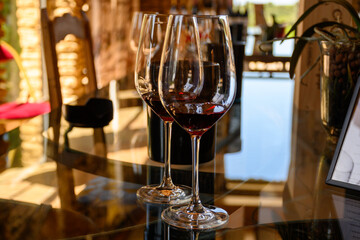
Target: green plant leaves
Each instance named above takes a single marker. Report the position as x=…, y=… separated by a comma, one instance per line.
x=343, y=3
x=304, y=39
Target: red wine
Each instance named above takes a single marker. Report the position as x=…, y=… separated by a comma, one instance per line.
x=153, y=100
x=180, y=142
x=197, y=118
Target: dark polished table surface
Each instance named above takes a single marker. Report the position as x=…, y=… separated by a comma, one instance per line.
x=56, y=184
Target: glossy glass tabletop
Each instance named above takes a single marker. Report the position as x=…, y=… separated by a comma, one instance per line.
x=265, y=172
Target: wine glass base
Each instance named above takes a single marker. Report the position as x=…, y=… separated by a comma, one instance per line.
x=180, y=217
x=159, y=195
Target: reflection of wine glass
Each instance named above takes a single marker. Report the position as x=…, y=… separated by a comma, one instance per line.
x=135, y=30
x=146, y=75
x=197, y=85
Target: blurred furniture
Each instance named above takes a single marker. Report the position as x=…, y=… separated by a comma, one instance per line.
x=53, y=32
x=8, y=125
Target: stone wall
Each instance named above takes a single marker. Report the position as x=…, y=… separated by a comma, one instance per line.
x=28, y=29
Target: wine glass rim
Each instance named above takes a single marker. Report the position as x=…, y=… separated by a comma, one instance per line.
x=201, y=16
x=145, y=12
x=157, y=14
x=188, y=15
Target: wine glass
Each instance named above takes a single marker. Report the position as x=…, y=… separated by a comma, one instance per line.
x=146, y=75
x=135, y=29
x=134, y=35
x=197, y=86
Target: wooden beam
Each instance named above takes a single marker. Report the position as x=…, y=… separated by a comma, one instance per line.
x=308, y=138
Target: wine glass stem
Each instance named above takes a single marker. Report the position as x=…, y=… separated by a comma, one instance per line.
x=195, y=204
x=166, y=181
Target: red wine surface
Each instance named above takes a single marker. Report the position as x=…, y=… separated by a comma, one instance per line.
x=153, y=100
x=197, y=118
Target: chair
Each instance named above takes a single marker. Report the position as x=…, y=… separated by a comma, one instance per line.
x=53, y=31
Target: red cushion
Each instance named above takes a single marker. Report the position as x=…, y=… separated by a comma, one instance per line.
x=14, y=110
x=5, y=54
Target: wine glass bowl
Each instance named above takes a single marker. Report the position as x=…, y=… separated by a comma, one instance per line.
x=191, y=107
x=147, y=66
x=135, y=29
x=197, y=86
